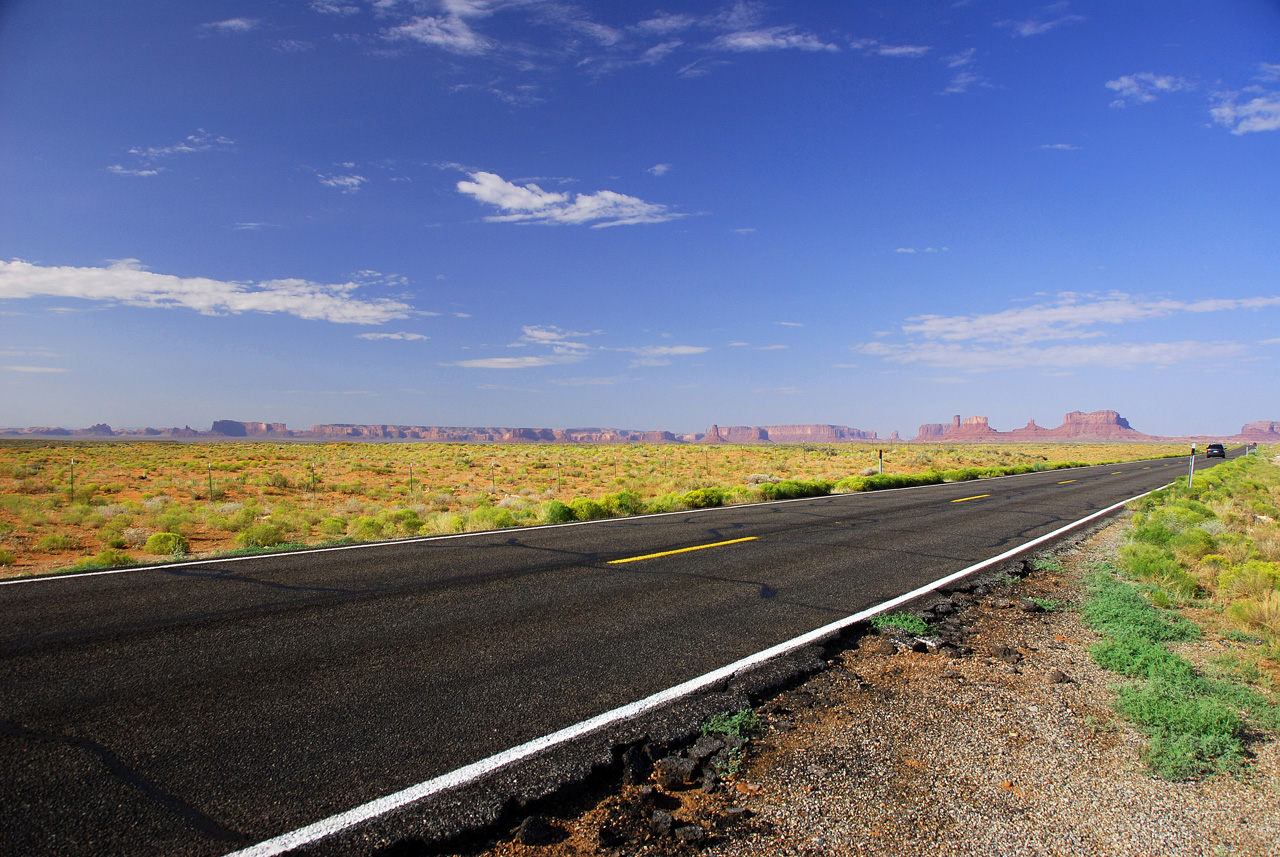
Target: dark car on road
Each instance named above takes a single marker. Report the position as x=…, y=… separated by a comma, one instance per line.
x=1215, y=450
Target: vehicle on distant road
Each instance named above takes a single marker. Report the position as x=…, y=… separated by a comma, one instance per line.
x=1215, y=450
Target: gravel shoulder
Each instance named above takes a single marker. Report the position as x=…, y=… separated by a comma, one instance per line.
x=1010, y=747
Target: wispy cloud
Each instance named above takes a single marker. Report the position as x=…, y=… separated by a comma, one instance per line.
x=448, y=32
x=871, y=46
x=771, y=39
x=913, y=250
x=149, y=156
x=127, y=282
x=964, y=81
x=1144, y=86
x=659, y=355
x=36, y=370
x=529, y=203
x=1260, y=113
x=527, y=362
x=962, y=58
x=401, y=335
x=345, y=184
x=1062, y=147
x=1023, y=337
x=659, y=169
x=1037, y=26
x=592, y=382
x=233, y=25
x=334, y=7
x=790, y=324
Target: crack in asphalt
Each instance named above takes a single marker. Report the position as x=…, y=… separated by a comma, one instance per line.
x=192, y=816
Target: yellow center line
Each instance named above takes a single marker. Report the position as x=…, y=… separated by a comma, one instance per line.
x=680, y=550
x=1148, y=468
x=1117, y=473
x=975, y=497
x=1066, y=482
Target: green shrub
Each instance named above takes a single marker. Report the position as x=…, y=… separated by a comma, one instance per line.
x=7, y=558
x=365, y=528
x=585, y=509
x=623, y=503
x=555, y=512
x=166, y=544
x=906, y=622
x=333, y=527
x=262, y=535
x=106, y=559
x=491, y=518
x=56, y=542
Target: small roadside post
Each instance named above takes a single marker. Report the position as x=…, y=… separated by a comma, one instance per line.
x=881, y=452
x=1191, y=473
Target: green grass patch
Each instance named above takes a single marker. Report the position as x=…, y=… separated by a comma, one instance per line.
x=905, y=622
x=1194, y=724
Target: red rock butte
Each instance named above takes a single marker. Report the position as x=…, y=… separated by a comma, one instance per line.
x=1099, y=426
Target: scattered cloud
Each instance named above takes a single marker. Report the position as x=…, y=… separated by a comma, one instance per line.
x=294, y=46
x=121, y=170
x=963, y=82
x=773, y=347
x=127, y=282
x=249, y=225
x=345, y=184
x=1062, y=147
x=233, y=25
x=790, y=324
x=657, y=355
x=399, y=335
x=785, y=391
x=659, y=169
x=771, y=39
x=1260, y=113
x=1036, y=26
x=911, y=250
x=739, y=344
x=871, y=46
x=962, y=58
x=38, y=370
x=529, y=362
x=334, y=7
x=1144, y=86
x=1047, y=335
x=529, y=203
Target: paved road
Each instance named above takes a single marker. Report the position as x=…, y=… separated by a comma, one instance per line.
x=195, y=709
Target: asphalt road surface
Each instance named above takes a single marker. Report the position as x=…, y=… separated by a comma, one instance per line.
x=200, y=708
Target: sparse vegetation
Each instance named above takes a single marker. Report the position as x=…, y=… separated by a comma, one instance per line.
x=905, y=622
x=126, y=493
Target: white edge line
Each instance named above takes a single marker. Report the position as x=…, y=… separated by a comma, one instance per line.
x=469, y=773
x=45, y=578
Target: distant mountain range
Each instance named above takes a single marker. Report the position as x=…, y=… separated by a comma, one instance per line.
x=1076, y=426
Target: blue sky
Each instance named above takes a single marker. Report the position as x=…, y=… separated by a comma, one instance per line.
x=647, y=216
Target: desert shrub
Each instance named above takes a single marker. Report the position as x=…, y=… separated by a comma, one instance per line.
x=333, y=527
x=623, y=503
x=263, y=535
x=704, y=498
x=365, y=528
x=57, y=542
x=1194, y=543
x=443, y=523
x=790, y=489
x=555, y=512
x=7, y=558
x=106, y=559
x=1251, y=578
x=166, y=544
x=673, y=502
x=491, y=518
x=403, y=520
x=585, y=509
x=1156, y=564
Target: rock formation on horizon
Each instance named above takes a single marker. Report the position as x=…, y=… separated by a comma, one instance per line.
x=1099, y=425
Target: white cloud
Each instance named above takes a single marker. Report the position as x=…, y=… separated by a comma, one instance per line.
x=656, y=355
x=592, y=382
x=1119, y=355
x=399, y=335
x=334, y=7
x=1144, y=86
x=560, y=341
x=1062, y=147
x=121, y=170
x=773, y=348
x=659, y=169
x=451, y=33
x=1068, y=318
x=963, y=82
x=35, y=370
x=905, y=250
x=1261, y=113
x=664, y=24
x=531, y=204
x=746, y=230
x=790, y=324
x=770, y=39
x=871, y=46
x=128, y=283
x=514, y=362
x=233, y=25
x=963, y=58
x=346, y=184
x=1036, y=26
x=1017, y=337
x=294, y=46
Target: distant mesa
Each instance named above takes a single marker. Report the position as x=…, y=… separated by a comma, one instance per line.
x=1106, y=426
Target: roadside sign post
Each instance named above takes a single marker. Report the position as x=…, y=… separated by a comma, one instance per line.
x=1191, y=473
x=881, y=453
